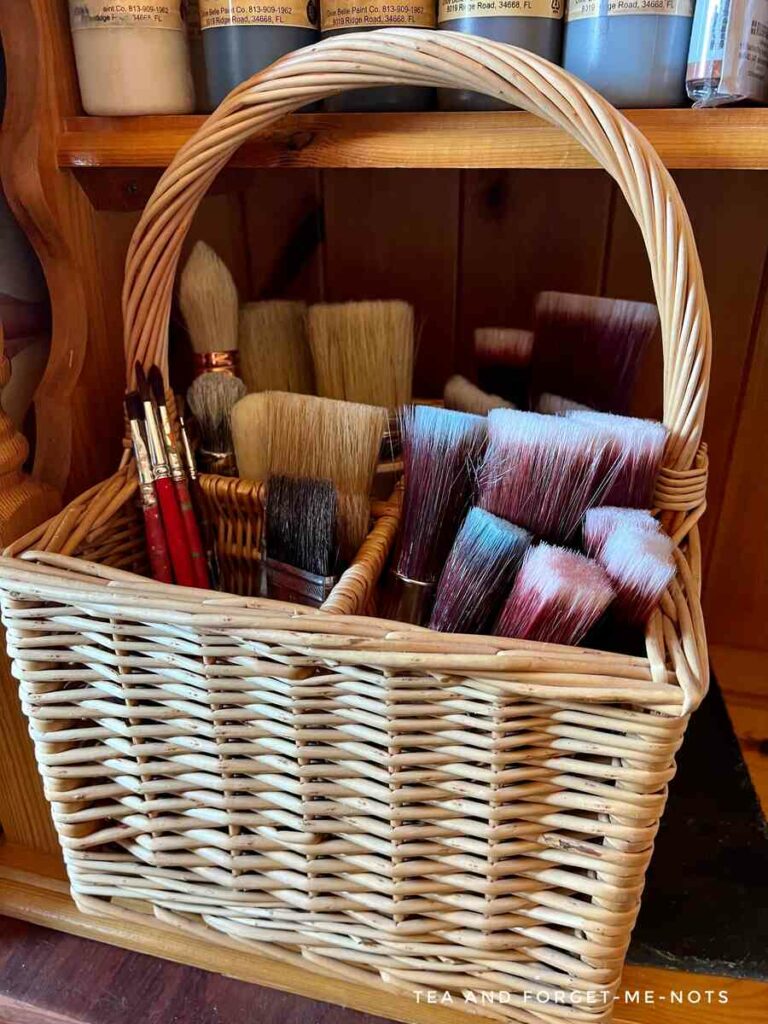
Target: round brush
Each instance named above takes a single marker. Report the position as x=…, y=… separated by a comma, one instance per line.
x=212, y=397
x=210, y=307
x=481, y=568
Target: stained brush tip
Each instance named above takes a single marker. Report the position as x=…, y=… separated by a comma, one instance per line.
x=133, y=406
x=156, y=385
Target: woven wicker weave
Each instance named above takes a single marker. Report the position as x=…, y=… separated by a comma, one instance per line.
x=416, y=810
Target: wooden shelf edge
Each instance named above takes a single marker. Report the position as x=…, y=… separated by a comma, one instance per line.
x=33, y=889
x=704, y=139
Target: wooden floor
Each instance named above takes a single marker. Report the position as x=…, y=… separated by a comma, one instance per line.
x=50, y=977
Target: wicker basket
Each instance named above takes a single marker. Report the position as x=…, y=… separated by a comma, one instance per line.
x=415, y=810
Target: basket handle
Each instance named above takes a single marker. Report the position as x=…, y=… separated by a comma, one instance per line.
x=442, y=59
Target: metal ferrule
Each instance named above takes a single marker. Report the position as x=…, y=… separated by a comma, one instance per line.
x=287, y=583
x=143, y=464
x=171, y=449
x=186, y=447
x=217, y=362
x=409, y=600
x=155, y=443
x=217, y=463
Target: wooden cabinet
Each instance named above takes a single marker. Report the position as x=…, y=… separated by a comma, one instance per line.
x=466, y=216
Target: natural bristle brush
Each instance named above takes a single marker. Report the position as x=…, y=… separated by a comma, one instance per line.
x=210, y=306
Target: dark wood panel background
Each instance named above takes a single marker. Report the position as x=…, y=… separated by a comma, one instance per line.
x=472, y=249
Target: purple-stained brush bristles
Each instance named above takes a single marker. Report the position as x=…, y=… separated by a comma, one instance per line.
x=503, y=357
x=640, y=565
x=589, y=349
x=543, y=472
x=600, y=523
x=480, y=570
x=557, y=598
x=441, y=452
x=639, y=449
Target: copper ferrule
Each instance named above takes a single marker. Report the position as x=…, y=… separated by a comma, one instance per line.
x=186, y=448
x=140, y=453
x=217, y=362
x=171, y=448
x=155, y=443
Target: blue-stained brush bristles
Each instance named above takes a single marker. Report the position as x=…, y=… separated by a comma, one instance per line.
x=589, y=349
x=600, y=523
x=441, y=452
x=480, y=570
x=641, y=565
x=638, y=447
x=543, y=472
x=557, y=597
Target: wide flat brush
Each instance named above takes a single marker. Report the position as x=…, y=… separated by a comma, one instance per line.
x=543, y=472
x=274, y=347
x=168, y=499
x=503, y=358
x=479, y=572
x=212, y=397
x=301, y=540
x=210, y=306
x=600, y=523
x=441, y=450
x=640, y=565
x=638, y=445
x=589, y=349
x=556, y=405
x=464, y=396
x=363, y=351
x=179, y=477
x=303, y=436
x=157, y=546
x=557, y=598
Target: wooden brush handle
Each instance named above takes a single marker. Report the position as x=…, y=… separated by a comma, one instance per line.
x=175, y=532
x=192, y=532
x=157, y=548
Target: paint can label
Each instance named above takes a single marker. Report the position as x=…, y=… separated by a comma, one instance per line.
x=93, y=14
x=289, y=13
x=578, y=9
x=336, y=14
x=451, y=10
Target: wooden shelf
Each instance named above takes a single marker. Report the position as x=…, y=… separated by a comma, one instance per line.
x=684, y=138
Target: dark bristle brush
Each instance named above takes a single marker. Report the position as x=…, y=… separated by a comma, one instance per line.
x=589, y=349
x=503, y=357
x=179, y=477
x=441, y=450
x=157, y=547
x=480, y=570
x=301, y=540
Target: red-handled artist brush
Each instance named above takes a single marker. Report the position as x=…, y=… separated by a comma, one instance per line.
x=170, y=510
x=179, y=477
x=157, y=548
x=198, y=501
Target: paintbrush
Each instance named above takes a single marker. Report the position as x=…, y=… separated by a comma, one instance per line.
x=543, y=472
x=363, y=351
x=556, y=405
x=301, y=557
x=274, y=347
x=198, y=500
x=167, y=496
x=503, y=357
x=179, y=477
x=210, y=307
x=557, y=598
x=600, y=523
x=441, y=449
x=464, y=396
x=478, y=574
x=640, y=565
x=589, y=349
x=212, y=397
x=303, y=436
x=157, y=547
x=639, y=448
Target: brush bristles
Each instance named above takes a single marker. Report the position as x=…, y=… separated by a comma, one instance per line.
x=274, y=348
x=600, y=523
x=134, y=407
x=212, y=397
x=503, y=346
x=638, y=447
x=543, y=472
x=462, y=395
x=556, y=405
x=641, y=565
x=301, y=524
x=209, y=302
x=589, y=349
x=480, y=570
x=441, y=449
x=317, y=438
x=557, y=598
x=363, y=351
